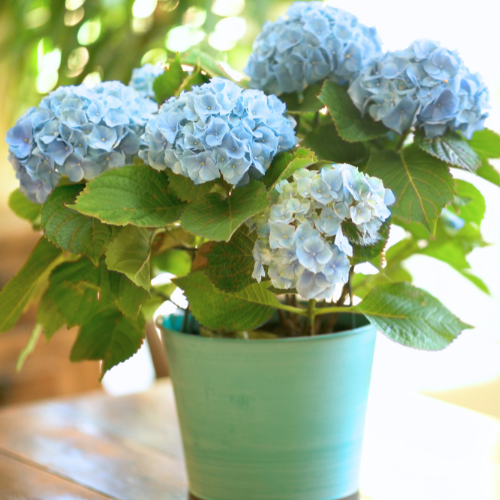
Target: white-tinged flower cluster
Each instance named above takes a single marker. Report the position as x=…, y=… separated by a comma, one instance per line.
x=300, y=236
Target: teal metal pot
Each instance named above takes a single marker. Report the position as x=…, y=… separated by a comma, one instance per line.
x=272, y=419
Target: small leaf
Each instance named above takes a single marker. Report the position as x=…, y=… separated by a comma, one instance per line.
x=205, y=62
x=366, y=252
x=70, y=230
x=230, y=265
x=328, y=145
x=217, y=218
x=411, y=316
x=16, y=294
x=351, y=126
x=307, y=102
x=49, y=317
x=166, y=84
x=30, y=347
x=285, y=164
x=489, y=173
x=486, y=143
x=24, y=208
x=128, y=297
x=109, y=337
x=421, y=183
x=215, y=309
x=452, y=149
x=130, y=195
x=185, y=189
x=130, y=253
x=469, y=203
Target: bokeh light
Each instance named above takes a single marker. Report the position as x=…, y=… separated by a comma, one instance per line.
x=225, y=8
x=144, y=8
x=89, y=32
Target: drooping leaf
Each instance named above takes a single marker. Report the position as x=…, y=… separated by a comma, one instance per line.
x=421, y=183
x=24, y=208
x=411, y=316
x=71, y=230
x=204, y=61
x=489, y=173
x=230, y=265
x=451, y=148
x=217, y=218
x=285, y=164
x=49, y=317
x=469, y=203
x=177, y=262
x=486, y=143
x=328, y=145
x=166, y=84
x=128, y=297
x=130, y=195
x=307, y=102
x=30, y=347
x=351, y=126
x=215, y=309
x=109, y=337
x=17, y=293
x=185, y=189
x=130, y=253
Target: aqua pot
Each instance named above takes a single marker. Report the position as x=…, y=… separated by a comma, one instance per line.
x=272, y=419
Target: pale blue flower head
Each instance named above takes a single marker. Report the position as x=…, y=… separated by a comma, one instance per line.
x=143, y=78
x=426, y=87
x=218, y=130
x=78, y=132
x=314, y=42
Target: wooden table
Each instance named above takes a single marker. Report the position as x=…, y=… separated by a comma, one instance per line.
x=128, y=448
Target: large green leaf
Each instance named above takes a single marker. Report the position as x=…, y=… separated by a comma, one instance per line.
x=24, y=208
x=230, y=265
x=109, y=337
x=71, y=230
x=489, y=173
x=285, y=164
x=411, y=316
x=215, y=309
x=328, y=145
x=364, y=252
x=130, y=253
x=217, y=218
x=166, y=84
x=451, y=148
x=185, y=189
x=486, y=143
x=351, y=126
x=17, y=293
x=307, y=102
x=421, y=183
x=30, y=347
x=128, y=297
x=469, y=203
x=134, y=194
x=49, y=317
x=176, y=261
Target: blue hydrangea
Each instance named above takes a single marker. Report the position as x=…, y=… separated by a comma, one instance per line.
x=314, y=42
x=300, y=236
x=424, y=86
x=143, y=78
x=78, y=132
x=218, y=129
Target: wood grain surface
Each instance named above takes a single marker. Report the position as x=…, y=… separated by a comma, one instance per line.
x=128, y=448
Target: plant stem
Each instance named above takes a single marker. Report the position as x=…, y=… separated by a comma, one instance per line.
x=328, y=310
x=402, y=139
x=294, y=310
x=311, y=313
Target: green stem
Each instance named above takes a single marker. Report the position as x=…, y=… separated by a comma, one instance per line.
x=294, y=310
x=328, y=310
x=311, y=314
x=402, y=140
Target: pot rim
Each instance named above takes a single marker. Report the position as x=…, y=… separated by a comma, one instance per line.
x=324, y=336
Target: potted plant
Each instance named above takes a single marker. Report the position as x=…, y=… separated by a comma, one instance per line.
x=268, y=204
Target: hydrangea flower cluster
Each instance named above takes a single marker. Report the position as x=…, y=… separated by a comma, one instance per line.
x=424, y=86
x=218, y=129
x=315, y=42
x=300, y=236
x=143, y=78
x=79, y=132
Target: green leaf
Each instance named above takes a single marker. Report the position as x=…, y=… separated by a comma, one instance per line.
x=351, y=126
x=24, y=208
x=215, y=309
x=192, y=80
x=486, y=143
x=130, y=252
x=128, y=297
x=328, y=145
x=16, y=295
x=30, y=347
x=307, y=102
x=150, y=307
x=109, y=337
x=489, y=173
x=177, y=262
x=166, y=84
x=452, y=149
x=421, y=183
x=70, y=230
x=230, y=265
x=49, y=317
x=285, y=164
x=205, y=62
x=475, y=280
x=217, y=218
x=362, y=284
x=411, y=316
x=130, y=195
x=366, y=252
x=469, y=203
x=185, y=189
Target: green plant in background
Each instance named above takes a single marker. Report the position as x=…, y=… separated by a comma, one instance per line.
x=263, y=214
